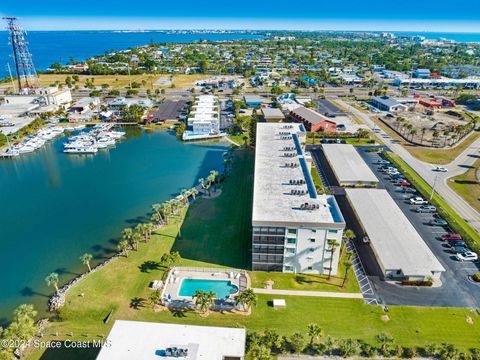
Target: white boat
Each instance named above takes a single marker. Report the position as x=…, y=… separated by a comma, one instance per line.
x=81, y=150
x=116, y=134
x=80, y=127
x=10, y=152
x=79, y=144
x=104, y=142
x=25, y=148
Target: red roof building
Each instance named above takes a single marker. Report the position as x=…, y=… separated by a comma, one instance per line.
x=430, y=103
x=312, y=120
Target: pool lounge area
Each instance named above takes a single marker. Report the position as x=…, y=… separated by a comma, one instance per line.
x=182, y=283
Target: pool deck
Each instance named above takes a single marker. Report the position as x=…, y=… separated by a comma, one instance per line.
x=176, y=275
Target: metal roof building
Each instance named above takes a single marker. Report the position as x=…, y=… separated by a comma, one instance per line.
x=400, y=251
x=149, y=341
x=348, y=166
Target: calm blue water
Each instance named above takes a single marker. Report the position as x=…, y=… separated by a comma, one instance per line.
x=55, y=207
x=459, y=37
x=222, y=288
x=48, y=47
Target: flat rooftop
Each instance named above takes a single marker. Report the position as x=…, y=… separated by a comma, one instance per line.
x=148, y=340
x=272, y=112
x=347, y=164
x=273, y=201
x=394, y=240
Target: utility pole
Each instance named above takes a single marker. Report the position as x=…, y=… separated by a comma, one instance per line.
x=433, y=187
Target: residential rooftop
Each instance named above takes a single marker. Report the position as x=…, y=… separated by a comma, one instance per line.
x=280, y=168
x=394, y=240
x=309, y=115
x=148, y=341
x=347, y=164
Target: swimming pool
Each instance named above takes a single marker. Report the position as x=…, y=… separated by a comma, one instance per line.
x=222, y=288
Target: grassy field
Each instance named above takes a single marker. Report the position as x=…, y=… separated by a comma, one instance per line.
x=455, y=221
x=316, y=180
x=467, y=186
x=310, y=282
x=214, y=232
x=180, y=81
x=434, y=156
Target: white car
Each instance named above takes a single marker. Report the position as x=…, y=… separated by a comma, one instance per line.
x=417, y=200
x=440, y=169
x=467, y=256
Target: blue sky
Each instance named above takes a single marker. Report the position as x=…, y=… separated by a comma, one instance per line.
x=440, y=15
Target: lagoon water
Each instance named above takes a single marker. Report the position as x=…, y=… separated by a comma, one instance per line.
x=48, y=47
x=55, y=207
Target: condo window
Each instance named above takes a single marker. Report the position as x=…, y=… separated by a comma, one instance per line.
x=312, y=249
x=291, y=251
x=291, y=240
x=288, y=268
x=292, y=231
x=332, y=231
x=312, y=239
x=310, y=268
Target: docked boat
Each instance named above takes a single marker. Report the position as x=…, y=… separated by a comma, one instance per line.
x=10, y=152
x=81, y=150
x=104, y=142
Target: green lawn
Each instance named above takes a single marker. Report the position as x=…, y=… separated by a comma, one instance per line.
x=455, y=221
x=341, y=318
x=467, y=186
x=311, y=282
x=239, y=138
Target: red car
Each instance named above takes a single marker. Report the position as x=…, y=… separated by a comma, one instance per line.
x=451, y=237
x=404, y=183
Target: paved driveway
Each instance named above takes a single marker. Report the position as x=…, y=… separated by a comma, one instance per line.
x=456, y=290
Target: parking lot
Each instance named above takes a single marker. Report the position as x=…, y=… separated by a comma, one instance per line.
x=327, y=107
x=456, y=290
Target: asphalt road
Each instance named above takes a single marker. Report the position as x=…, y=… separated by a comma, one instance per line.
x=460, y=165
x=456, y=290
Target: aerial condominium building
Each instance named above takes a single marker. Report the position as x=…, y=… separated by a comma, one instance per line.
x=294, y=228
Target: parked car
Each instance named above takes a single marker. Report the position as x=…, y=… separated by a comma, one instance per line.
x=440, y=169
x=417, y=200
x=409, y=190
x=451, y=237
x=459, y=249
x=438, y=222
x=467, y=256
x=383, y=162
x=403, y=183
x=456, y=243
x=426, y=209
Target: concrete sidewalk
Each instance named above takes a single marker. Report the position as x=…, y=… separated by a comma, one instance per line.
x=329, y=294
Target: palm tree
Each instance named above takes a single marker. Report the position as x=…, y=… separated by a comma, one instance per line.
x=85, y=259
x=246, y=298
x=349, y=235
x=384, y=340
x=52, y=280
x=185, y=194
x=194, y=192
x=123, y=247
x=423, y=134
x=159, y=212
x=332, y=244
x=135, y=239
x=204, y=299
x=348, y=265
x=127, y=234
x=314, y=332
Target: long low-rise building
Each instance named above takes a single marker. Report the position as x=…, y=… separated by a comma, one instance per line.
x=293, y=226
x=348, y=166
x=312, y=120
x=400, y=251
x=139, y=340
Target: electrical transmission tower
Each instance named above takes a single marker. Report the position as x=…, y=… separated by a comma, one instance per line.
x=24, y=67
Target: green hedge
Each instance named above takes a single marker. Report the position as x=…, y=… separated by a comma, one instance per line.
x=459, y=225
